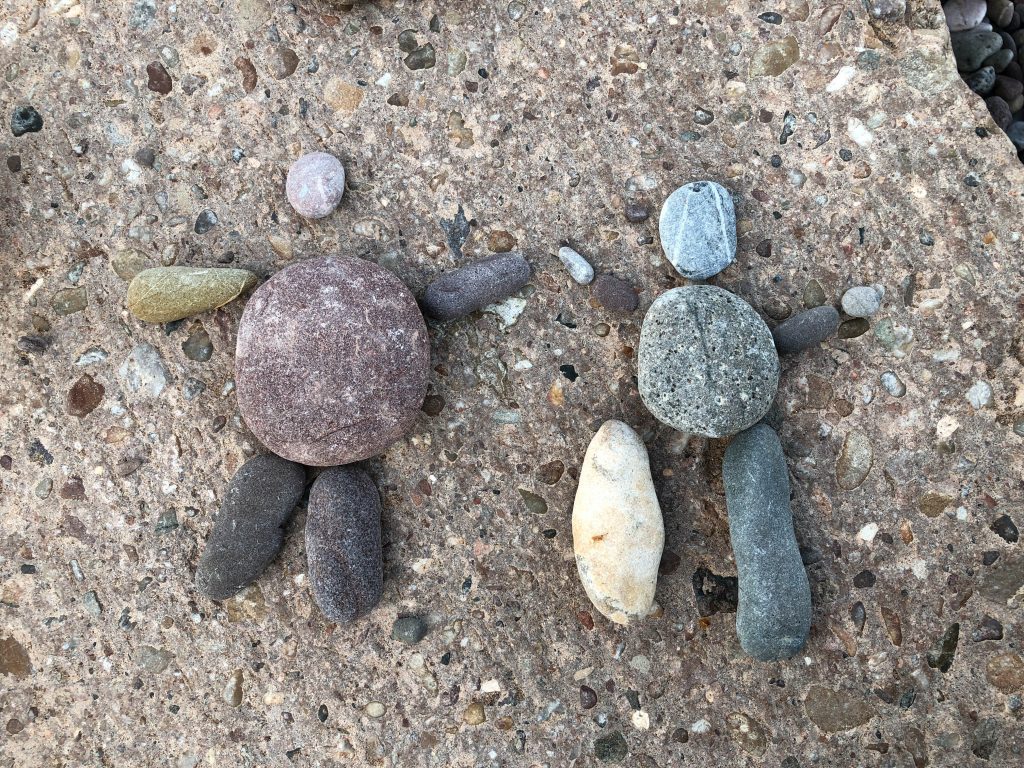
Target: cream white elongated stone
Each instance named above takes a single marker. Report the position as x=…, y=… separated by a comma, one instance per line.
x=617, y=529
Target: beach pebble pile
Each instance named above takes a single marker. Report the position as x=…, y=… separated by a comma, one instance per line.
x=986, y=36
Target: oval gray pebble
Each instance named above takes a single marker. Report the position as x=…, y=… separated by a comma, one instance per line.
x=773, y=618
x=706, y=363
x=247, y=534
x=409, y=629
x=698, y=229
x=579, y=268
x=343, y=544
x=806, y=330
x=462, y=291
x=861, y=301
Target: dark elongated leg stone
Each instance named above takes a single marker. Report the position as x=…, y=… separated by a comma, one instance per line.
x=463, y=291
x=774, y=613
x=806, y=330
x=343, y=544
x=247, y=535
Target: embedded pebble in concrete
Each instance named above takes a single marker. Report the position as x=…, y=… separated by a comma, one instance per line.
x=614, y=294
x=247, y=534
x=698, y=229
x=409, y=629
x=862, y=301
x=457, y=293
x=893, y=384
x=331, y=361
x=343, y=544
x=165, y=294
x=25, y=120
x=315, y=184
x=617, y=529
x=806, y=330
x=579, y=268
x=774, y=614
x=143, y=371
x=707, y=364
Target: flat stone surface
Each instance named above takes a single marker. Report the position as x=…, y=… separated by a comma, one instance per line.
x=707, y=364
x=551, y=145
x=698, y=229
x=331, y=361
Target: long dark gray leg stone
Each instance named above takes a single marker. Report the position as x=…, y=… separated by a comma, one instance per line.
x=774, y=614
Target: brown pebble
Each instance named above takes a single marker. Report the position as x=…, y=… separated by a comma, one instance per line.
x=84, y=396
x=614, y=294
x=588, y=697
x=73, y=489
x=637, y=212
x=159, y=79
x=248, y=71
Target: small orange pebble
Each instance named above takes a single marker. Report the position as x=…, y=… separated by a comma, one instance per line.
x=988, y=238
x=905, y=532
x=556, y=395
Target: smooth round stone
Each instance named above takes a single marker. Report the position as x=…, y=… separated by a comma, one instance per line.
x=165, y=294
x=331, y=361
x=462, y=291
x=1015, y=132
x=698, y=229
x=970, y=49
x=1000, y=12
x=707, y=364
x=1000, y=111
x=579, y=268
x=963, y=14
x=315, y=184
x=806, y=330
x=617, y=530
x=982, y=81
x=1007, y=88
x=862, y=301
x=1001, y=59
x=248, y=534
x=343, y=544
x=773, y=617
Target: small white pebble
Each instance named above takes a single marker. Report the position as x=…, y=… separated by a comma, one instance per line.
x=868, y=532
x=579, y=268
x=842, y=79
x=961, y=514
x=920, y=569
x=979, y=395
x=859, y=132
x=375, y=709
x=701, y=726
x=641, y=720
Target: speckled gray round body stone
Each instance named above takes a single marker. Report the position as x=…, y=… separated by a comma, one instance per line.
x=331, y=361
x=343, y=544
x=315, y=184
x=462, y=291
x=247, y=534
x=773, y=618
x=706, y=363
x=806, y=330
x=698, y=229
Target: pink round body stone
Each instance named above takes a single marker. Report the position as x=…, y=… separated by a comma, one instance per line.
x=315, y=184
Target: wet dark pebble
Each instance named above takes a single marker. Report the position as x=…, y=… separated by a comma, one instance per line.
x=806, y=330
x=989, y=629
x=588, y=697
x=1005, y=528
x=145, y=157
x=205, y=221
x=247, y=534
x=84, y=396
x=941, y=655
x=614, y=294
x=343, y=544
x=457, y=293
x=637, y=212
x=611, y=748
x=25, y=120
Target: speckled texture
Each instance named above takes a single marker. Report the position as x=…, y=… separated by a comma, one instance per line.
x=585, y=109
x=315, y=184
x=331, y=361
x=464, y=290
x=707, y=364
x=773, y=618
x=248, y=533
x=343, y=544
